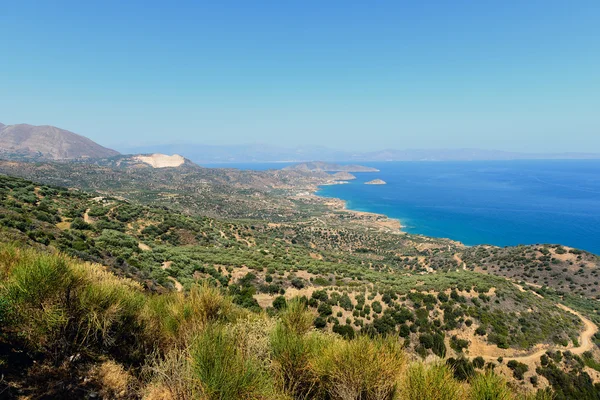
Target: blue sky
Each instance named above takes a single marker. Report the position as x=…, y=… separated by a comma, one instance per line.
x=364, y=75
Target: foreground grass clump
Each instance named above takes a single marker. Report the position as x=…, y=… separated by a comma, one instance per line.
x=70, y=327
x=362, y=368
x=432, y=382
x=223, y=369
x=174, y=318
x=57, y=306
x=490, y=386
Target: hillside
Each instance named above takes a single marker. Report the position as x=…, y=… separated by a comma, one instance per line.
x=45, y=142
x=100, y=336
x=353, y=280
x=273, y=195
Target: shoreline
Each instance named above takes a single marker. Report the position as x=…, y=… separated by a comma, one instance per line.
x=367, y=218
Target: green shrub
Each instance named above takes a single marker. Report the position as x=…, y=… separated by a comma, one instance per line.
x=490, y=386
x=291, y=355
x=518, y=368
x=296, y=318
x=362, y=368
x=224, y=371
x=430, y=382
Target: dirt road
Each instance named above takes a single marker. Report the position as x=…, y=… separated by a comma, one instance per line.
x=585, y=344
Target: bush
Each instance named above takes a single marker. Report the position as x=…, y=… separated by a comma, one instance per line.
x=320, y=322
x=279, y=303
x=58, y=305
x=362, y=368
x=345, y=331
x=458, y=344
x=174, y=318
x=478, y=362
x=376, y=307
x=224, y=371
x=296, y=318
x=518, y=368
x=462, y=368
x=324, y=309
x=431, y=382
x=292, y=354
x=489, y=386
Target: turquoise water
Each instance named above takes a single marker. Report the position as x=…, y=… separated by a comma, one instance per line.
x=490, y=202
x=494, y=202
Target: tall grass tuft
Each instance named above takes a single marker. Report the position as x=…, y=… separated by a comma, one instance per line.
x=58, y=304
x=291, y=355
x=224, y=371
x=542, y=394
x=173, y=319
x=363, y=368
x=431, y=382
x=490, y=386
x=296, y=318
x=170, y=377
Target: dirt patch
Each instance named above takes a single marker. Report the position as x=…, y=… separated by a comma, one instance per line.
x=86, y=217
x=239, y=273
x=144, y=246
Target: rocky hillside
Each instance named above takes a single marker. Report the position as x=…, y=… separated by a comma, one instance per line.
x=46, y=142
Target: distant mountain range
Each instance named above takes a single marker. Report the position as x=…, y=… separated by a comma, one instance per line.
x=46, y=142
x=205, y=154
x=329, y=167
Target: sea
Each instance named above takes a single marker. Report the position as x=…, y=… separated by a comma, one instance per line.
x=502, y=203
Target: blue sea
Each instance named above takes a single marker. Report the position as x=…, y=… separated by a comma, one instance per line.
x=489, y=202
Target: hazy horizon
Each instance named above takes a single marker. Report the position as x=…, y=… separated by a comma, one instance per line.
x=511, y=76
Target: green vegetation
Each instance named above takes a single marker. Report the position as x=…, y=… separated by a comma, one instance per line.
x=310, y=303
x=178, y=346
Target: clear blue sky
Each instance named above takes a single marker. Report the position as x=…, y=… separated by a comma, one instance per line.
x=512, y=75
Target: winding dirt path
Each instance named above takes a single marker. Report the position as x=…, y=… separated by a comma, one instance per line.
x=459, y=261
x=585, y=343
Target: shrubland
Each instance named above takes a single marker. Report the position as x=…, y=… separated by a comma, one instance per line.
x=118, y=298
x=73, y=329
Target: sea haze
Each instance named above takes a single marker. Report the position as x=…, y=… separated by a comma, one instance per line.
x=486, y=202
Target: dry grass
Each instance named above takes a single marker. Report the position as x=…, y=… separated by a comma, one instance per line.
x=170, y=377
x=363, y=368
x=174, y=319
x=114, y=381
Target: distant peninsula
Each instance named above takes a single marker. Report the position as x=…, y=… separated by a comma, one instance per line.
x=329, y=167
x=376, y=182
x=343, y=176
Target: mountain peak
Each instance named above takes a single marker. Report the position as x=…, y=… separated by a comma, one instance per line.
x=47, y=142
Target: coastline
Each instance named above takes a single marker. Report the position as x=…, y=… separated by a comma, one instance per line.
x=366, y=218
